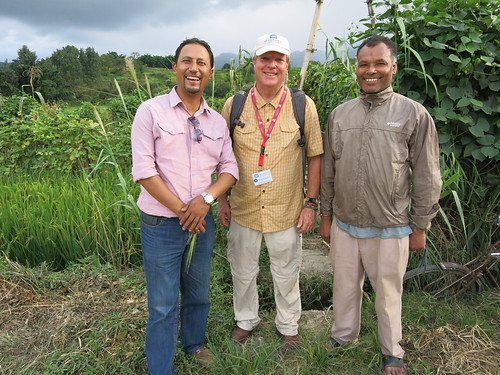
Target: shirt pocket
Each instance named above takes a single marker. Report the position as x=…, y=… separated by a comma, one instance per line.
x=212, y=134
x=246, y=138
x=400, y=189
x=171, y=152
x=170, y=133
x=289, y=135
x=210, y=146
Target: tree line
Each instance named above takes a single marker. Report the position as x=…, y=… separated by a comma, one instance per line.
x=61, y=76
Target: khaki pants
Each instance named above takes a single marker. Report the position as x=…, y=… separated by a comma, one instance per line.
x=384, y=261
x=285, y=253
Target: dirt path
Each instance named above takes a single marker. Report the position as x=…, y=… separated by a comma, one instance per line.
x=315, y=259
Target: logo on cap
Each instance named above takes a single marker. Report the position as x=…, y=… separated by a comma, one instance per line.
x=272, y=42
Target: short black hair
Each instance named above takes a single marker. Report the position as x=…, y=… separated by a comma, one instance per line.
x=373, y=40
x=195, y=41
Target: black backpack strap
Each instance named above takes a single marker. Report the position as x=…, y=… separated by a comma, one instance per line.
x=237, y=107
x=299, y=110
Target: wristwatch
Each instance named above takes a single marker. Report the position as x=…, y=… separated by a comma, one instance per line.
x=209, y=199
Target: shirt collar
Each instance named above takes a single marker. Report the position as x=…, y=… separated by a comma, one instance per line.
x=377, y=98
x=260, y=101
x=175, y=100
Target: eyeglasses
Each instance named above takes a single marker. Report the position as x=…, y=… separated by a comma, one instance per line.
x=198, y=133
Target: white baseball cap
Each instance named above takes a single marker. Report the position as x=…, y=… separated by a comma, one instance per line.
x=272, y=42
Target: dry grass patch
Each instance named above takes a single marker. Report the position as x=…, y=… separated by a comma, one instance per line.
x=455, y=350
x=90, y=313
x=90, y=319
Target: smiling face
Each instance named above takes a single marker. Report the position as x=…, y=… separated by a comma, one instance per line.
x=270, y=70
x=376, y=66
x=192, y=69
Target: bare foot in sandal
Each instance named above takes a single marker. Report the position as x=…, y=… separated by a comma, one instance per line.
x=393, y=366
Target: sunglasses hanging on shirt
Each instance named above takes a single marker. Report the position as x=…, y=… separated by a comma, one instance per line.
x=198, y=133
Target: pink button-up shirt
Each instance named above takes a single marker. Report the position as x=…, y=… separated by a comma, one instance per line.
x=162, y=144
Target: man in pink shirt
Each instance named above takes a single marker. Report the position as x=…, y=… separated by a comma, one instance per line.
x=178, y=141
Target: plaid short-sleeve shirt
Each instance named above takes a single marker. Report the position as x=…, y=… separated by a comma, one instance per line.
x=276, y=205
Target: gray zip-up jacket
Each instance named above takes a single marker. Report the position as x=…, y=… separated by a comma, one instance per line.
x=381, y=157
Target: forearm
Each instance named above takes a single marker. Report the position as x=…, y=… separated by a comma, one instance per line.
x=158, y=190
x=223, y=183
x=314, y=176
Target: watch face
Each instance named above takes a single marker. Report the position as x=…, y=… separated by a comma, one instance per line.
x=209, y=199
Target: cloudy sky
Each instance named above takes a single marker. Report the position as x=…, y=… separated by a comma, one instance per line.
x=156, y=27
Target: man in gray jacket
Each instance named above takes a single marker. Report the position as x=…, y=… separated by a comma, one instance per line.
x=381, y=158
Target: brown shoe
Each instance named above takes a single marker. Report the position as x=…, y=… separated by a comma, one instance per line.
x=204, y=356
x=291, y=342
x=240, y=334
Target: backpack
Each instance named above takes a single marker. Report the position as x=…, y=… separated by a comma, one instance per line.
x=299, y=111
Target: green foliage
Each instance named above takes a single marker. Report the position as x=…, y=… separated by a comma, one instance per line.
x=329, y=85
x=216, y=103
x=123, y=108
x=16, y=106
x=91, y=67
x=468, y=216
x=450, y=63
x=62, y=219
x=332, y=83
x=157, y=61
x=8, y=79
x=37, y=138
x=241, y=73
x=112, y=63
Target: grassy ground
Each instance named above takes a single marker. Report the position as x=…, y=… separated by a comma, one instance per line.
x=90, y=319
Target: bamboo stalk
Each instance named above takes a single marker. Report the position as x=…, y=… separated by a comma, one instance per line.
x=310, y=43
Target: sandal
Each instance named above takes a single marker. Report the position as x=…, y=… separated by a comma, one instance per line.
x=334, y=343
x=390, y=361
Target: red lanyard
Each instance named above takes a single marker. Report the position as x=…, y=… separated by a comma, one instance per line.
x=265, y=136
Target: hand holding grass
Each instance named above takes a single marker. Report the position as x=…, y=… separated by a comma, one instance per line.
x=193, y=217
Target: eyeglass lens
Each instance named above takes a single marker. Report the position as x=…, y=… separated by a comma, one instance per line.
x=198, y=133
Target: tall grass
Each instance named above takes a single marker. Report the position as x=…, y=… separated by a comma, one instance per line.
x=466, y=223
x=63, y=219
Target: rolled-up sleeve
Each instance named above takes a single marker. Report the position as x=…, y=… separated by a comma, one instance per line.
x=228, y=162
x=143, y=145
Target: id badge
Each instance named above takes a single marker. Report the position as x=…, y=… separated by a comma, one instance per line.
x=262, y=177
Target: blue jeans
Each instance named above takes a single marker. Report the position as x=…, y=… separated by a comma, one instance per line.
x=164, y=251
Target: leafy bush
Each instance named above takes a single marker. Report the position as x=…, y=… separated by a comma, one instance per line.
x=329, y=85
x=47, y=139
x=450, y=63
x=15, y=106
x=124, y=107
